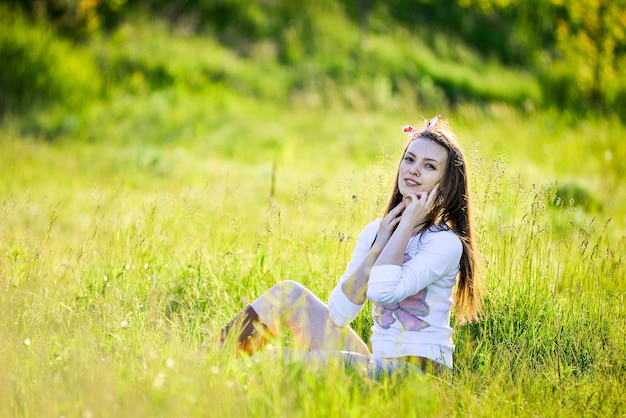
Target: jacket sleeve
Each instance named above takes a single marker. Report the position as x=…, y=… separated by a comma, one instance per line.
x=341, y=309
x=438, y=255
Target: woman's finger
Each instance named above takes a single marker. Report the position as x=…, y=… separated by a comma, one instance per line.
x=432, y=195
x=393, y=213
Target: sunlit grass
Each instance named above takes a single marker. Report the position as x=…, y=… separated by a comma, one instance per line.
x=120, y=259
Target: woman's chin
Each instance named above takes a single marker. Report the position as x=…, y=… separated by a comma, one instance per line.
x=411, y=191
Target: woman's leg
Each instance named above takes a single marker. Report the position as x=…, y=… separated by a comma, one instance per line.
x=293, y=305
x=322, y=357
x=247, y=331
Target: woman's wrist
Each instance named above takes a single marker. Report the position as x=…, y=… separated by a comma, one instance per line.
x=405, y=226
x=377, y=247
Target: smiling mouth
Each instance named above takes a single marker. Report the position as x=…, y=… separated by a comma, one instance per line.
x=411, y=183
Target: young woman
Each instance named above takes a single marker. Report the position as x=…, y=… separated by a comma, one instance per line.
x=412, y=265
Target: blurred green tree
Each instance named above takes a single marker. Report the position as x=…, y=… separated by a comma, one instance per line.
x=591, y=40
x=40, y=69
x=575, y=47
x=76, y=17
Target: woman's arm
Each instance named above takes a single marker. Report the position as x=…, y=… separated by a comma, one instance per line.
x=355, y=286
x=438, y=256
x=347, y=298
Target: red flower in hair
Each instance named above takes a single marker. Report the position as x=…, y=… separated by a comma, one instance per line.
x=409, y=130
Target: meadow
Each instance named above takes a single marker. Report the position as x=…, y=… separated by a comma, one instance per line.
x=133, y=229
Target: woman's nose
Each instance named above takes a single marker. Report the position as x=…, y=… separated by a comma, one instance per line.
x=413, y=170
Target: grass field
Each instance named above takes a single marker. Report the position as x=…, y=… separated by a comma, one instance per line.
x=133, y=229
x=120, y=258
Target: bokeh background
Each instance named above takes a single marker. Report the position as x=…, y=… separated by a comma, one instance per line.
x=162, y=163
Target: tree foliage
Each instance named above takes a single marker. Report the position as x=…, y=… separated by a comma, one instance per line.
x=39, y=68
x=575, y=47
x=590, y=39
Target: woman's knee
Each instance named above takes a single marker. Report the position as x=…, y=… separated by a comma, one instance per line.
x=290, y=289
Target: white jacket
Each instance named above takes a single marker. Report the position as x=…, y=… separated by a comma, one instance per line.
x=410, y=304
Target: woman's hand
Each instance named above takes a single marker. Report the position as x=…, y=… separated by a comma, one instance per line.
x=418, y=207
x=388, y=224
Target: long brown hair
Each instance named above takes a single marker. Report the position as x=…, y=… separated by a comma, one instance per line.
x=452, y=208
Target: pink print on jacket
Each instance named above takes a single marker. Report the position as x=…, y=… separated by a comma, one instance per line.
x=407, y=312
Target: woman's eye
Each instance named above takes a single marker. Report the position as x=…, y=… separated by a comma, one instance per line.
x=430, y=166
x=409, y=159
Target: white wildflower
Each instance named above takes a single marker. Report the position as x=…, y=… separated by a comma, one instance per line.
x=159, y=381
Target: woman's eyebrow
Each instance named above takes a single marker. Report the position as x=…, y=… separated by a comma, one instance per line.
x=424, y=159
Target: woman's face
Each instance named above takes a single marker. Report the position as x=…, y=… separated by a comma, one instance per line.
x=423, y=165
